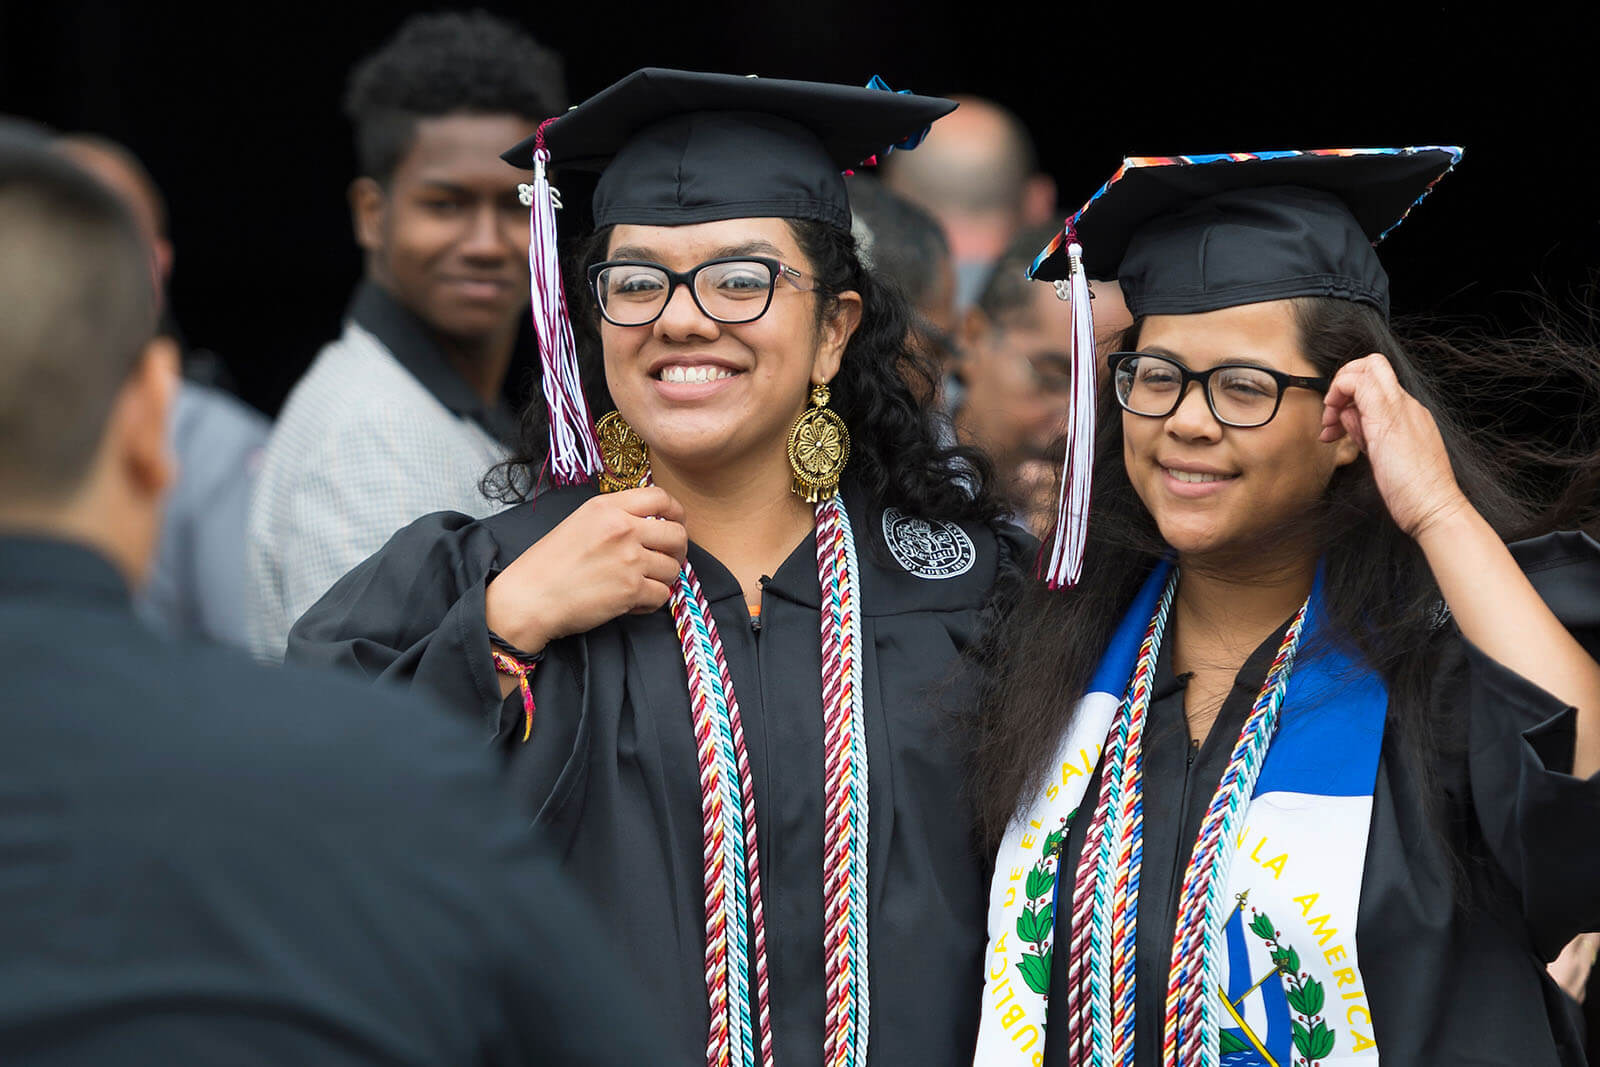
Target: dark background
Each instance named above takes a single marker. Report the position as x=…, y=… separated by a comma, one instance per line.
x=235, y=108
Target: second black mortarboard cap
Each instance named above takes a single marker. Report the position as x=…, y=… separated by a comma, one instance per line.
x=1186, y=234
x=1190, y=234
x=675, y=147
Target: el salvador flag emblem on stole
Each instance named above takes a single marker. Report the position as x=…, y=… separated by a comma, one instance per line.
x=1290, y=990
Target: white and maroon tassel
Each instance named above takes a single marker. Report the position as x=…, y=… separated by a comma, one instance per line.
x=1065, y=564
x=574, y=453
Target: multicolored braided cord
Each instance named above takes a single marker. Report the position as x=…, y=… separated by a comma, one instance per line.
x=844, y=848
x=1101, y=988
x=735, y=921
x=1105, y=898
x=1189, y=1033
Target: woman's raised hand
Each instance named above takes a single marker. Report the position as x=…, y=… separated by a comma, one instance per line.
x=1367, y=402
x=616, y=554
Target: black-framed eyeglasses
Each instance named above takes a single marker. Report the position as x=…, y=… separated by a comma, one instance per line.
x=731, y=290
x=1239, y=394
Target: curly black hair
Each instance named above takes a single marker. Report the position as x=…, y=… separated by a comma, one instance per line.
x=899, y=452
x=439, y=64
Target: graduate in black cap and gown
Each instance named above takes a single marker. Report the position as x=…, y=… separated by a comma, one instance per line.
x=1302, y=768
x=719, y=684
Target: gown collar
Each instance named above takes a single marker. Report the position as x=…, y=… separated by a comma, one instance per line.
x=411, y=344
x=889, y=586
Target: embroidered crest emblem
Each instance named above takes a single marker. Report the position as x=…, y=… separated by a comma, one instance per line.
x=1296, y=1031
x=935, y=549
x=1036, y=925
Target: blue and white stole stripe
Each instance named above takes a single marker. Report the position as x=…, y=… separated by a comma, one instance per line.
x=1292, y=989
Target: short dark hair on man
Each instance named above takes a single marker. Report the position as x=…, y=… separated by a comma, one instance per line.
x=16, y=130
x=444, y=64
x=897, y=239
x=77, y=307
x=1008, y=289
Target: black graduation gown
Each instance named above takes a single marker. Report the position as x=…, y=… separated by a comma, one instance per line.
x=610, y=772
x=1454, y=971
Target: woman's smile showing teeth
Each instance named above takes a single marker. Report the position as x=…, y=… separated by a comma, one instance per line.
x=694, y=374
x=1194, y=483
x=1196, y=476
x=693, y=379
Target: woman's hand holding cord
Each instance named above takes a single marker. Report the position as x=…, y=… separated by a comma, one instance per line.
x=617, y=554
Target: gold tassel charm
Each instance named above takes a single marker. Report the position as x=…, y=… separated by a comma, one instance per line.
x=625, y=455
x=819, y=448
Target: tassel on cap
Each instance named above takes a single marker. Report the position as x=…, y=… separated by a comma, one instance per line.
x=1065, y=563
x=574, y=453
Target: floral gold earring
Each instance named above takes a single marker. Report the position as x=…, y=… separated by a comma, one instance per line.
x=624, y=453
x=819, y=448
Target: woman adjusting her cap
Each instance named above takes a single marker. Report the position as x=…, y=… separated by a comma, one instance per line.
x=1298, y=769
x=712, y=680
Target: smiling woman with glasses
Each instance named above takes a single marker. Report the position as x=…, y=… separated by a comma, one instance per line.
x=716, y=675
x=1239, y=394
x=730, y=289
x=1304, y=740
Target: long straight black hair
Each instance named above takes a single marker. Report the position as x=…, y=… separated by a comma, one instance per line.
x=1377, y=586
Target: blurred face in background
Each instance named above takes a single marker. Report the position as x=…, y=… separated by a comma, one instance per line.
x=934, y=333
x=1111, y=321
x=1017, y=377
x=446, y=236
x=1017, y=373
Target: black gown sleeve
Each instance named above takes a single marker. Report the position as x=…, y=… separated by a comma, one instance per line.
x=1537, y=819
x=413, y=613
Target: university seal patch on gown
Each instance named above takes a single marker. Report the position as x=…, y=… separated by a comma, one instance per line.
x=928, y=549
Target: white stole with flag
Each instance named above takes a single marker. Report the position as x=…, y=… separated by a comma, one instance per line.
x=1292, y=988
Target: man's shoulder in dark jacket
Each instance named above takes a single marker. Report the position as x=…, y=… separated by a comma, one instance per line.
x=203, y=860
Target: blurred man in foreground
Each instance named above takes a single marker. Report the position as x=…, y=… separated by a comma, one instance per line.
x=203, y=861
x=197, y=585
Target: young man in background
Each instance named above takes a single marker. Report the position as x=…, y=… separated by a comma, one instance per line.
x=403, y=414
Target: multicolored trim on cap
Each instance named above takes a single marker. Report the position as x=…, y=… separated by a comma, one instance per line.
x=1138, y=162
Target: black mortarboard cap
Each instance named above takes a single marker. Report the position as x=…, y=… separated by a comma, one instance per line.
x=676, y=147
x=1185, y=234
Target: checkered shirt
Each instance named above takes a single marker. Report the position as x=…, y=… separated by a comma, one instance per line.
x=360, y=450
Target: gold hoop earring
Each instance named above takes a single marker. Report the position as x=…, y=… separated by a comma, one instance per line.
x=819, y=448
x=624, y=453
